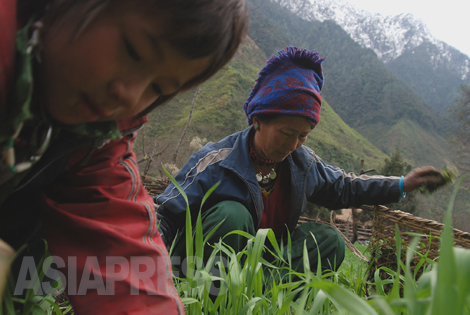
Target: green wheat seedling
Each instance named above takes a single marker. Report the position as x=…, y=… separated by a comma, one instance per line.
x=448, y=176
x=444, y=288
x=252, y=285
x=31, y=303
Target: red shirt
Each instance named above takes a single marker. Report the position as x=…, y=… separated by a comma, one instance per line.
x=277, y=204
x=7, y=47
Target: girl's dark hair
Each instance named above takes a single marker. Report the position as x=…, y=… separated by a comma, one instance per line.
x=201, y=28
x=197, y=28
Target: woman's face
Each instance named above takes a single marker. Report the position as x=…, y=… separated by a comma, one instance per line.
x=115, y=68
x=280, y=137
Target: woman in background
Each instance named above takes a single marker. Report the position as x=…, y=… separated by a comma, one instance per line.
x=267, y=175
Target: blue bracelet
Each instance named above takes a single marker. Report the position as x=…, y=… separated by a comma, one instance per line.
x=402, y=193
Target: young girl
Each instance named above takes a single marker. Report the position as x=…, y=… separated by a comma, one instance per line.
x=76, y=81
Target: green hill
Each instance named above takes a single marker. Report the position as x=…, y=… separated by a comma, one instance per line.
x=415, y=142
x=337, y=143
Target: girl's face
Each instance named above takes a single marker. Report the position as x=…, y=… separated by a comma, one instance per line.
x=115, y=68
x=280, y=137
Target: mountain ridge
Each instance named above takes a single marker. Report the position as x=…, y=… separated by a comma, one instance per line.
x=395, y=39
x=403, y=31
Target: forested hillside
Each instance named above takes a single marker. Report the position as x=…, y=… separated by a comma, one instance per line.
x=438, y=84
x=433, y=69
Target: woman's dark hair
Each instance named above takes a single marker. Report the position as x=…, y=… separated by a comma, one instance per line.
x=267, y=118
x=197, y=28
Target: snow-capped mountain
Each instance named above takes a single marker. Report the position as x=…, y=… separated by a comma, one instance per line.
x=389, y=36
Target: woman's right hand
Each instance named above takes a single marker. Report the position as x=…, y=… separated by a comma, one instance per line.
x=423, y=175
x=6, y=254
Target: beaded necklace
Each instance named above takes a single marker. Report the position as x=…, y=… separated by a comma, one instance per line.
x=261, y=177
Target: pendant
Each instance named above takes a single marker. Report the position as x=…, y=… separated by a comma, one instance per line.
x=260, y=177
x=272, y=174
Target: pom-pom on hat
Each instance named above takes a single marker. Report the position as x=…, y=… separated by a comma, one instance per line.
x=289, y=84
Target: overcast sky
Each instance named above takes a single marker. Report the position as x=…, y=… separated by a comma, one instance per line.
x=448, y=20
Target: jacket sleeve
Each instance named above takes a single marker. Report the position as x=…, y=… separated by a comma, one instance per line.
x=336, y=189
x=171, y=204
x=101, y=228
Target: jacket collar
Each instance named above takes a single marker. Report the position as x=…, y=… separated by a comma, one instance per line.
x=238, y=160
x=299, y=162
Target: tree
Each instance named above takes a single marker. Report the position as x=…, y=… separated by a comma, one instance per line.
x=395, y=165
x=187, y=124
x=460, y=134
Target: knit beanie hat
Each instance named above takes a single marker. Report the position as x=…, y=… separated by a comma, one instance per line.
x=289, y=84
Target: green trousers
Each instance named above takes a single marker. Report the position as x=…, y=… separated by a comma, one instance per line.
x=236, y=217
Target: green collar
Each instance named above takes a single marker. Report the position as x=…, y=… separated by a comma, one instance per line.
x=104, y=130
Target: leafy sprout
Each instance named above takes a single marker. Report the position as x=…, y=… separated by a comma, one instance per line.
x=448, y=177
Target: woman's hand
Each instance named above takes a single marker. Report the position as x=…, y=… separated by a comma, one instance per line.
x=428, y=175
x=6, y=253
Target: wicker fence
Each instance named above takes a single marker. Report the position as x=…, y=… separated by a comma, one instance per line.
x=155, y=186
x=383, y=243
x=364, y=232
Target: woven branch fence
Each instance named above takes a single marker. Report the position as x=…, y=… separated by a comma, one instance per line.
x=364, y=232
x=383, y=243
x=155, y=186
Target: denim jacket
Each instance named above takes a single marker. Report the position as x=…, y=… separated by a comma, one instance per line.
x=228, y=161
